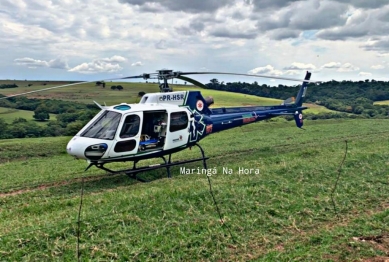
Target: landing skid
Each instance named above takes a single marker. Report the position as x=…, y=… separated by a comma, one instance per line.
x=132, y=173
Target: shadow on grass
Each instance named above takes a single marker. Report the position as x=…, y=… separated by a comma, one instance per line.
x=104, y=183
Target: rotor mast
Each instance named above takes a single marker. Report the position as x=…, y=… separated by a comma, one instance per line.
x=164, y=75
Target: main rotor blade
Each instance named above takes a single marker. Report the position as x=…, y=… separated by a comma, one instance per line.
x=237, y=74
x=190, y=80
x=73, y=84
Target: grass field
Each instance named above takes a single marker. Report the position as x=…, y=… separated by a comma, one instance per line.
x=9, y=114
x=284, y=213
x=86, y=93
x=385, y=103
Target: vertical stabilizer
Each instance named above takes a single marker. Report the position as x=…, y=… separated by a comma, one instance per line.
x=301, y=94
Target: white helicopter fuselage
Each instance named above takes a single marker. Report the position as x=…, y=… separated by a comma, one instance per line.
x=158, y=122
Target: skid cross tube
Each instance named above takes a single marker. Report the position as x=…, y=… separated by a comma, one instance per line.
x=132, y=173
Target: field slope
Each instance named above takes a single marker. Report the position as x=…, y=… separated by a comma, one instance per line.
x=86, y=93
x=283, y=212
x=10, y=114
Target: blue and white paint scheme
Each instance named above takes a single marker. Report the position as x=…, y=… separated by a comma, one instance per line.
x=164, y=123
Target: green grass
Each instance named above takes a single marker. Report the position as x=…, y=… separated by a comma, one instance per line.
x=283, y=213
x=10, y=114
x=86, y=93
x=385, y=102
x=317, y=109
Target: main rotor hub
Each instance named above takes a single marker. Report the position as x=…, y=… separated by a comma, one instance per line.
x=165, y=74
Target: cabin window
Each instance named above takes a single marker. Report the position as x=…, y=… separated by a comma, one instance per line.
x=104, y=127
x=178, y=121
x=130, y=126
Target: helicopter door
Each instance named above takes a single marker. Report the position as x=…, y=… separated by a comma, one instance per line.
x=178, y=133
x=128, y=135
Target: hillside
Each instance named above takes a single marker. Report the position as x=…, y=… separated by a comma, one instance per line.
x=9, y=115
x=284, y=212
x=86, y=93
x=355, y=97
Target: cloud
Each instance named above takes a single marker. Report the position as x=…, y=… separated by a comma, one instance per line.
x=364, y=74
x=347, y=67
x=232, y=35
x=292, y=19
x=227, y=33
x=371, y=4
x=104, y=65
x=188, y=6
x=115, y=59
x=359, y=24
x=280, y=34
x=268, y=69
x=58, y=63
x=300, y=66
x=379, y=44
x=332, y=65
x=161, y=44
x=377, y=66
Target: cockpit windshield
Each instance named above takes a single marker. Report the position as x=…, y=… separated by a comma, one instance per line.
x=104, y=127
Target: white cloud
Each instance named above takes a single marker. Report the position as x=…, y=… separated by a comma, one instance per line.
x=104, y=65
x=348, y=67
x=34, y=63
x=115, y=58
x=221, y=35
x=139, y=63
x=300, y=66
x=332, y=65
x=268, y=69
x=364, y=74
x=377, y=66
x=345, y=67
x=293, y=72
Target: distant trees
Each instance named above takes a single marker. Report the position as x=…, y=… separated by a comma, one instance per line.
x=4, y=86
x=119, y=87
x=41, y=113
x=345, y=96
x=141, y=93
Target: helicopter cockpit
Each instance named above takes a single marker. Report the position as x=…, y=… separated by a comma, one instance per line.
x=104, y=127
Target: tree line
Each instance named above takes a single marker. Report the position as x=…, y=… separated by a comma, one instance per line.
x=356, y=97
x=70, y=118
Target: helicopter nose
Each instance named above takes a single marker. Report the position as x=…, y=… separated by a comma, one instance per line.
x=87, y=148
x=75, y=149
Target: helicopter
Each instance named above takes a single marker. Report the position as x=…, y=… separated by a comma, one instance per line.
x=166, y=122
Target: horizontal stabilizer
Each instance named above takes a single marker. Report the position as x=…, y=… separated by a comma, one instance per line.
x=298, y=117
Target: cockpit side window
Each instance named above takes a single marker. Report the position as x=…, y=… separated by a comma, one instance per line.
x=178, y=121
x=130, y=126
x=104, y=127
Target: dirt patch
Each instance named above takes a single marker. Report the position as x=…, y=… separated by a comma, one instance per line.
x=380, y=242
x=376, y=259
x=54, y=184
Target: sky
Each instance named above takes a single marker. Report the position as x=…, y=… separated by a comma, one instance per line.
x=98, y=39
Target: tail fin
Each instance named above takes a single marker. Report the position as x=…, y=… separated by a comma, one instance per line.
x=298, y=118
x=303, y=89
x=195, y=101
